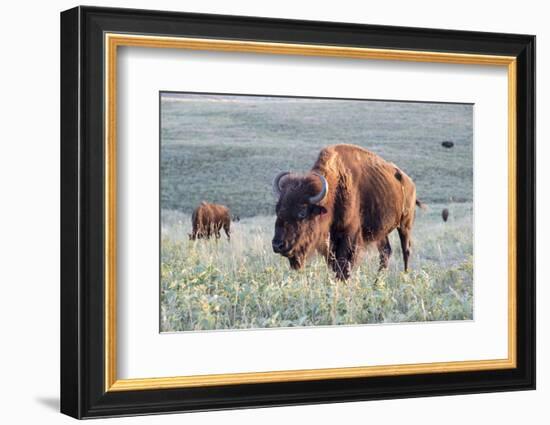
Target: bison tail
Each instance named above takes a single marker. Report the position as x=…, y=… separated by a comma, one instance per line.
x=422, y=205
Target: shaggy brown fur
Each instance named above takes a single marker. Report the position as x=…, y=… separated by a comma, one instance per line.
x=367, y=199
x=209, y=219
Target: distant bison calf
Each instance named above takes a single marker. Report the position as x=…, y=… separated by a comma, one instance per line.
x=209, y=219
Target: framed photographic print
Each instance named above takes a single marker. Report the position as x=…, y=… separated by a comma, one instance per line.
x=261, y=212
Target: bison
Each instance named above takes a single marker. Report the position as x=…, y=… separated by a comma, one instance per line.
x=208, y=220
x=349, y=199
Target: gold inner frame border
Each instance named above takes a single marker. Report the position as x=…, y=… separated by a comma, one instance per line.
x=113, y=40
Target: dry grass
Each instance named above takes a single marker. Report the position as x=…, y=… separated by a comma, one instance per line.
x=241, y=284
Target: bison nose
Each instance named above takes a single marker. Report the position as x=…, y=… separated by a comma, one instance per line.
x=278, y=245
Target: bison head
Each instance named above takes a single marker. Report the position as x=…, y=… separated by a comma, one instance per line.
x=299, y=224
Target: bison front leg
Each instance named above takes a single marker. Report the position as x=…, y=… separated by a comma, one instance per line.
x=384, y=248
x=344, y=251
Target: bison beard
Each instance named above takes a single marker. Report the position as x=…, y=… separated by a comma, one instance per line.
x=349, y=199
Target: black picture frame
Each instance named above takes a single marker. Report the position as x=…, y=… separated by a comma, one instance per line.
x=83, y=392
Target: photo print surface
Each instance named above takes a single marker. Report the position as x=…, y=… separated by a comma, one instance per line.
x=290, y=212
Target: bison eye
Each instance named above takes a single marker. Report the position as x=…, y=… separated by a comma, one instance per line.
x=302, y=213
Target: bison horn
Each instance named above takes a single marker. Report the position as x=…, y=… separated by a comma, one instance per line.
x=276, y=182
x=323, y=193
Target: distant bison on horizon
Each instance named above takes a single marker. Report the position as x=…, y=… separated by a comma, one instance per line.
x=350, y=198
x=208, y=220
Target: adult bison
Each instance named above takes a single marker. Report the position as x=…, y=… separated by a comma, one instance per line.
x=350, y=198
x=208, y=220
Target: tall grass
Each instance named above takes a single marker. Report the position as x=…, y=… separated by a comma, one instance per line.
x=239, y=284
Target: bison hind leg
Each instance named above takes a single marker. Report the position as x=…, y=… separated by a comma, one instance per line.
x=405, y=237
x=384, y=248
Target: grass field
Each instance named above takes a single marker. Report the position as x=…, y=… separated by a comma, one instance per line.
x=227, y=149
x=241, y=284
